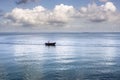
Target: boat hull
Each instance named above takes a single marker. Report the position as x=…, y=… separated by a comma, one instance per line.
x=50, y=44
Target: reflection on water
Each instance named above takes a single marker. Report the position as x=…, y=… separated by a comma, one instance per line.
x=76, y=57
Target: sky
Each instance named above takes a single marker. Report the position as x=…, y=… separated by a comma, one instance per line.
x=59, y=15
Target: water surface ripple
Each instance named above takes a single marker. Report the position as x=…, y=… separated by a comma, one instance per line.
x=78, y=56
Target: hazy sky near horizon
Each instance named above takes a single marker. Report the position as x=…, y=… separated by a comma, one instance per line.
x=60, y=16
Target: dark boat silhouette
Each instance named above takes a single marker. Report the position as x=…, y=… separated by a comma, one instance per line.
x=50, y=43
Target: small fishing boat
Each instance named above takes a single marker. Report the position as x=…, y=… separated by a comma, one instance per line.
x=50, y=43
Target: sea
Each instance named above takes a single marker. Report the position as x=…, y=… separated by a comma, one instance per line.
x=76, y=56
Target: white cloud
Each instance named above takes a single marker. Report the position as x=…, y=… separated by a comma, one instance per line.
x=63, y=12
x=109, y=6
x=95, y=13
x=65, y=16
x=40, y=16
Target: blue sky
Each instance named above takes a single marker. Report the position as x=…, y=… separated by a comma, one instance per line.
x=65, y=15
x=9, y=5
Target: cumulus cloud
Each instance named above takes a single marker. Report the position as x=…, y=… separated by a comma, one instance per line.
x=63, y=15
x=40, y=16
x=25, y=1
x=96, y=13
x=109, y=6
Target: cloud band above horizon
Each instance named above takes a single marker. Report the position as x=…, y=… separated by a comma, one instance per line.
x=63, y=16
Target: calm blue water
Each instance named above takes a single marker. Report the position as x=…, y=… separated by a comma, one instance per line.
x=77, y=56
